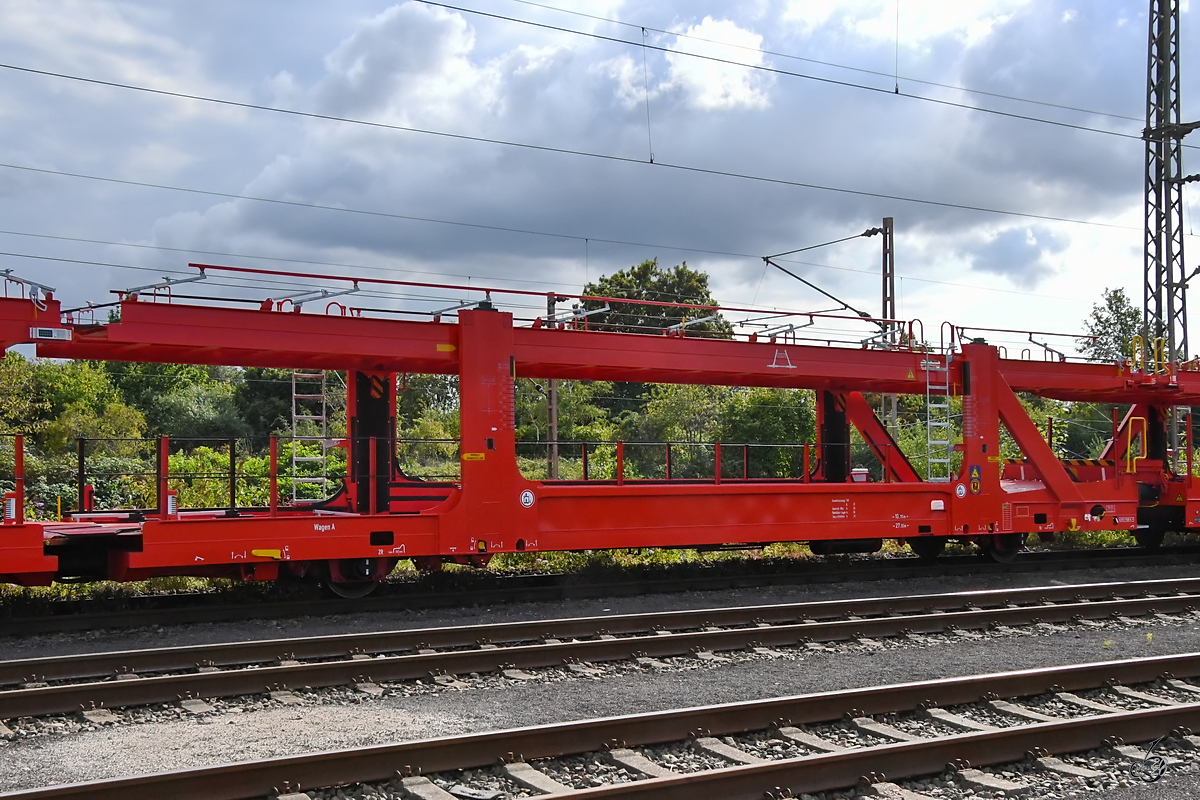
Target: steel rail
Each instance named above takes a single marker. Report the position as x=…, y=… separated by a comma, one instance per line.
x=65, y=617
x=173, y=659
x=43, y=700
x=384, y=762
x=844, y=769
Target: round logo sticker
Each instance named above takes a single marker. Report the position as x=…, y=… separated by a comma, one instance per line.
x=527, y=499
x=961, y=490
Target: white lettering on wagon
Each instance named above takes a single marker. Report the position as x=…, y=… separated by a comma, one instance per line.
x=322, y=527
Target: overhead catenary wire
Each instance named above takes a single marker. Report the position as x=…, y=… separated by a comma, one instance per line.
x=784, y=72
x=509, y=279
x=862, y=70
x=500, y=142
x=588, y=154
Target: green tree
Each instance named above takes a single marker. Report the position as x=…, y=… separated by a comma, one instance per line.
x=1113, y=323
x=200, y=411
x=649, y=283
x=142, y=385
x=22, y=408
x=421, y=394
x=119, y=427
x=64, y=383
x=774, y=419
x=645, y=283
x=263, y=399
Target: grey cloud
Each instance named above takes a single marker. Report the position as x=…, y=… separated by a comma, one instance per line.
x=1019, y=253
x=389, y=56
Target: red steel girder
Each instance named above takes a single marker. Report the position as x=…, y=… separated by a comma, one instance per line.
x=181, y=333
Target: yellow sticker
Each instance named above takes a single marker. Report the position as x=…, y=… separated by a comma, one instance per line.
x=911, y=376
x=267, y=553
x=446, y=348
x=473, y=456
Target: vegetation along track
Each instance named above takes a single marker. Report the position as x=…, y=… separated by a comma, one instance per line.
x=766, y=748
x=53, y=685
x=188, y=609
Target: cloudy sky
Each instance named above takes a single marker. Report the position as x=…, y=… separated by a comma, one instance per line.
x=539, y=145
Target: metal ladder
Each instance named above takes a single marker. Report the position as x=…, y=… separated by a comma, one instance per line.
x=939, y=449
x=309, y=406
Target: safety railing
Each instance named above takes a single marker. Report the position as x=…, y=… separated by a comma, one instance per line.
x=429, y=459
x=577, y=311
x=707, y=462
x=1047, y=344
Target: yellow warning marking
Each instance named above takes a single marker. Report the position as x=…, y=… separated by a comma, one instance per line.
x=446, y=348
x=267, y=553
x=473, y=456
x=1178, y=498
x=911, y=375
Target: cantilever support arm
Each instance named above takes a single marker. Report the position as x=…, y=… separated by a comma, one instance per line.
x=1030, y=440
x=863, y=417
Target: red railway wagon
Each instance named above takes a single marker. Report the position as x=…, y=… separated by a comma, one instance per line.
x=380, y=516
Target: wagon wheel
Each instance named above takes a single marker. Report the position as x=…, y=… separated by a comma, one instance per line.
x=351, y=591
x=352, y=578
x=1003, y=547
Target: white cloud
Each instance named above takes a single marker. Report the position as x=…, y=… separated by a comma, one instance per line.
x=920, y=21
x=108, y=41
x=409, y=63
x=712, y=85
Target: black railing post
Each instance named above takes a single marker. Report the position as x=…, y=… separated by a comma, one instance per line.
x=81, y=472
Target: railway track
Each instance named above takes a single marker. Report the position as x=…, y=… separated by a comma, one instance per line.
x=958, y=730
x=187, y=609
x=58, y=685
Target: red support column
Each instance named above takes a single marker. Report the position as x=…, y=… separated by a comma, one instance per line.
x=620, y=463
x=806, y=463
x=668, y=448
x=717, y=462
